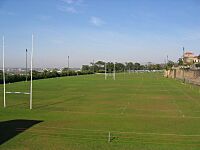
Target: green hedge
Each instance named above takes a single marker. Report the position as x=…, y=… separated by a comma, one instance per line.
x=10, y=78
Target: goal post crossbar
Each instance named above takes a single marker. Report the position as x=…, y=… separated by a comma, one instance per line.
x=25, y=93
x=4, y=79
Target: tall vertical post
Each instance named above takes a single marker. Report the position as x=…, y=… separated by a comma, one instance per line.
x=167, y=59
x=183, y=66
x=31, y=86
x=68, y=62
x=109, y=137
x=114, y=72
x=124, y=72
x=105, y=72
x=183, y=54
x=93, y=66
x=68, y=65
x=4, y=79
x=26, y=66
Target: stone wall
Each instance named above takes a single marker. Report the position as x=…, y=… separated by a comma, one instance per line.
x=187, y=75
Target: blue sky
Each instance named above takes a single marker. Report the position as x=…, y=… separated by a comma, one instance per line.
x=111, y=30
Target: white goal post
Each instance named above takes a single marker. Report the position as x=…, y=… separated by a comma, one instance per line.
x=113, y=74
x=31, y=79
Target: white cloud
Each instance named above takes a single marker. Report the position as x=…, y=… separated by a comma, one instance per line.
x=97, y=21
x=70, y=6
x=72, y=1
x=68, y=9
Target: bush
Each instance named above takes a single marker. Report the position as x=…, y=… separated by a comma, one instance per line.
x=10, y=78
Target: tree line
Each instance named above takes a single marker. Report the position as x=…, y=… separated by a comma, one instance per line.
x=99, y=67
x=10, y=77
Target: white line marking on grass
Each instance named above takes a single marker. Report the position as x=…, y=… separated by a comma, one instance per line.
x=113, y=131
x=174, y=102
x=166, y=110
x=189, y=96
x=124, y=108
x=150, y=116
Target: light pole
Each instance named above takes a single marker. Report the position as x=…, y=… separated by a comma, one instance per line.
x=26, y=66
x=31, y=86
x=68, y=62
x=183, y=66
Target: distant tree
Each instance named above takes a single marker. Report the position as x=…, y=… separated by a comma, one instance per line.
x=54, y=73
x=157, y=67
x=169, y=65
x=129, y=65
x=137, y=66
x=45, y=73
x=65, y=69
x=197, y=65
x=85, y=68
x=143, y=67
x=99, y=66
x=100, y=63
x=93, y=67
x=180, y=61
x=110, y=66
x=1, y=76
x=119, y=67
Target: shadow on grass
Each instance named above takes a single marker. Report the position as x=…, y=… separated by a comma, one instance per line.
x=10, y=129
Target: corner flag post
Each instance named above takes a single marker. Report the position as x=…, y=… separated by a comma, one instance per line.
x=31, y=86
x=4, y=79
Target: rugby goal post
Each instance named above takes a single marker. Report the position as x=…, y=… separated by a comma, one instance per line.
x=113, y=74
x=31, y=77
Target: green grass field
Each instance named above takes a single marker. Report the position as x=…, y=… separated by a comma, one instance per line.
x=142, y=111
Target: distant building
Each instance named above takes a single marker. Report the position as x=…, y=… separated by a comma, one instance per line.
x=196, y=59
x=189, y=58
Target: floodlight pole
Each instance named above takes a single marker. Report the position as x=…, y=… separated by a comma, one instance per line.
x=68, y=63
x=26, y=66
x=105, y=72
x=183, y=66
x=31, y=86
x=167, y=59
x=4, y=79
